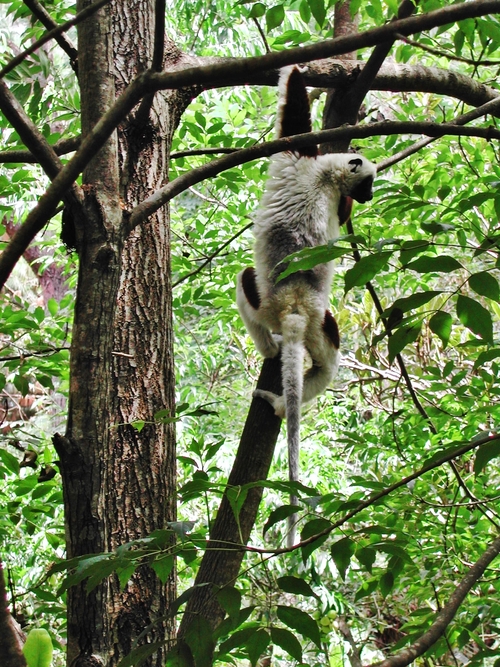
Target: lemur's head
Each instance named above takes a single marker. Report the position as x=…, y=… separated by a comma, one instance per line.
x=359, y=179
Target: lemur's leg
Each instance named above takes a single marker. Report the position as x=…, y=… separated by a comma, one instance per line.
x=248, y=301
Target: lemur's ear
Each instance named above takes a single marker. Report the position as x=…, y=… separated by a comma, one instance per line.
x=294, y=116
x=356, y=162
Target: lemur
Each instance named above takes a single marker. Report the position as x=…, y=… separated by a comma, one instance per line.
x=307, y=197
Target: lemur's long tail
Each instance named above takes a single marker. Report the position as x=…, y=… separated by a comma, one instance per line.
x=292, y=364
x=294, y=116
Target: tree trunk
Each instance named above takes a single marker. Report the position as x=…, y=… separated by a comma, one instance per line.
x=119, y=483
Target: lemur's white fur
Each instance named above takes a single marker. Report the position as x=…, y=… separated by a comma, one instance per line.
x=299, y=209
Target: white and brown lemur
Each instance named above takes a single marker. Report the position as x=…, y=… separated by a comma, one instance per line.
x=307, y=197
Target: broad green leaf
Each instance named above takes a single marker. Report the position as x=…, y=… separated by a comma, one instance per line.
x=138, y=655
x=238, y=638
x=436, y=227
x=409, y=249
x=313, y=528
x=318, y=10
x=256, y=645
x=386, y=583
x=296, y=586
x=38, y=648
x=275, y=17
x=230, y=600
x=364, y=270
x=485, y=453
x=124, y=574
x=366, y=556
x=485, y=284
x=163, y=566
x=402, y=337
x=298, y=620
x=342, y=552
x=484, y=357
x=288, y=642
x=475, y=317
x=200, y=640
x=308, y=258
x=279, y=514
x=440, y=264
x=440, y=324
x=414, y=301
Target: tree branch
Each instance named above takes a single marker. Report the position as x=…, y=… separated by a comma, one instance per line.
x=492, y=107
x=226, y=74
x=158, y=199
x=26, y=157
x=46, y=20
x=446, y=615
x=357, y=92
x=52, y=34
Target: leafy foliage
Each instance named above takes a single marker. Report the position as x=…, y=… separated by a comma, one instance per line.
x=377, y=554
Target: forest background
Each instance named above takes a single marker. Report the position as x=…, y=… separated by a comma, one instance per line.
x=131, y=167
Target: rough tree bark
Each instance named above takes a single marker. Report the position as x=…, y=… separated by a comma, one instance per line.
x=119, y=483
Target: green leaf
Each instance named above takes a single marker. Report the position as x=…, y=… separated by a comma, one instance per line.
x=342, y=552
x=163, y=566
x=485, y=284
x=484, y=357
x=10, y=461
x=364, y=270
x=485, y=453
x=275, y=17
x=318, y=10
x=308, y=258
x=440, y=324
x=295, y=586
x=403, y=337
x=366, y=556
x=414, y=301
x=230, y=600
x=288, y=642
x=38, y=648
x=256, y=645
x=238, y=638
x=298, y=620
x=475, y=317
x=277, y=515
x=138, y=655
x=258, y=10
x=409, y=249
x=313, y=528
x=386, y=583
x=440, y=264
x=200, y=640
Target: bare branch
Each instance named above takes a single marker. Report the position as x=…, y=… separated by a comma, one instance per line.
x=244, y=70
x=492, y=107
x=146, y=208
x=239, y=71
x=52, y=34
x=46, y=19
x=446, y=615
x=48, y=202
x=26, y=157
x=355, y=96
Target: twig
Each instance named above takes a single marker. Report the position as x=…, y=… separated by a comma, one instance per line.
x=46, y=19
x=489, y=107
x=261, y=33
x=158, y=199
x=446, y=615
x=445, y=54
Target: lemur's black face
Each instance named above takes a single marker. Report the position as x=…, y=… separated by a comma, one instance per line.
x=362, y=191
